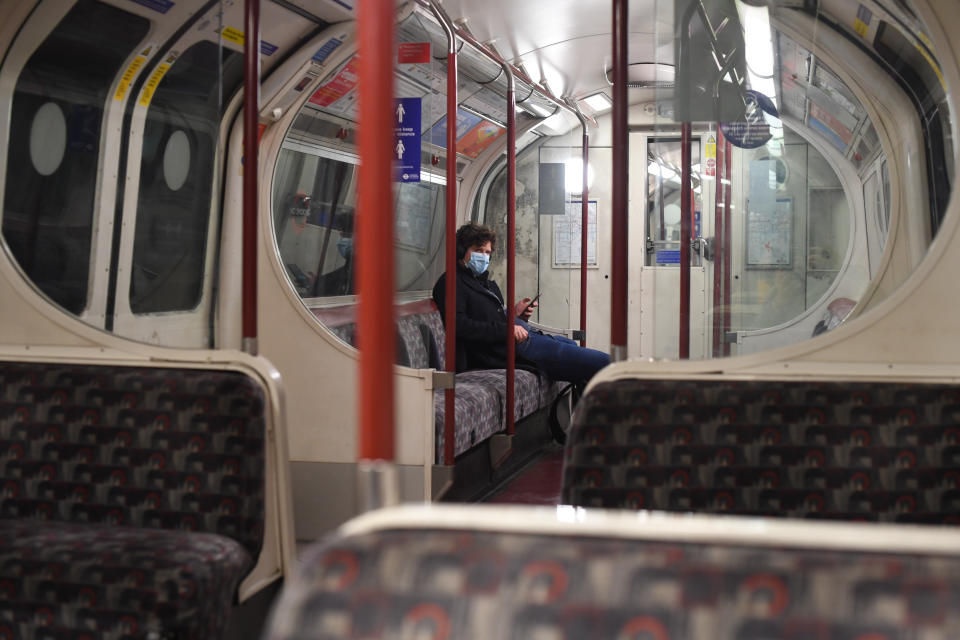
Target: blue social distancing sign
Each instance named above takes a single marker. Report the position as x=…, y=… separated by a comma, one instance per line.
x=406, y=139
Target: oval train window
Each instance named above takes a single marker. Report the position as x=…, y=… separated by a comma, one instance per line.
x=48, y=138
x=176, y=160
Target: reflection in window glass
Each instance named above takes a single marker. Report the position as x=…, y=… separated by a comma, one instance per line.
x=796, y=234
x=926, y=88
x=885, y=177
x=171, y=228
x=527, y=223
x=313, y=207
x=875, y=227
x=314, y=200
x=54, y=151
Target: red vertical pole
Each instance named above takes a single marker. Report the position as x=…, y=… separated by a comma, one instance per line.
x=511, y=240
x=718, y=249
x=375, y=270
x=621, y=146
x=727, y=264
x=251, y=139
x=685, y=213
x=450, y=310
x=584, y=228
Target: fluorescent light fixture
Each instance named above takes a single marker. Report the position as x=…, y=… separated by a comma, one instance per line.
x=573, y=175
x=538, y=110
x=598, y=102
x=759, y=44
x=435, y=178
x=666, y=173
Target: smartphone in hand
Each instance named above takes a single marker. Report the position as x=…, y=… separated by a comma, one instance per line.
x=535, y=298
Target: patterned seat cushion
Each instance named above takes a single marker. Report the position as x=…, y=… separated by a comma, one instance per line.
x=107, y=582
x=479, y=585
x=143, y=447
x=480, y=404
x=131, y=499
x=808, y=449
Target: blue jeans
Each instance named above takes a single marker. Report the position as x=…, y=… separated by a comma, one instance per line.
x=560, y=357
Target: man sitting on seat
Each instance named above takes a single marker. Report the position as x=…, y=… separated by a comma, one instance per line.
x=482, y=320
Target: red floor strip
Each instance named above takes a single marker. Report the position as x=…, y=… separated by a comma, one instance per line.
x=538, y=484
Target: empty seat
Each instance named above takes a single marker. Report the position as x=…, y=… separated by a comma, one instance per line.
x=808, y=449
x=132, y=503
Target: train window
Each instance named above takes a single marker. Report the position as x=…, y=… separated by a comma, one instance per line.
x=314, y=195
x=313, y=206
x=54, y=150
x=48, y=138
x=796, y=234
x=314, y=185
x=919, y=71
x=177, y=178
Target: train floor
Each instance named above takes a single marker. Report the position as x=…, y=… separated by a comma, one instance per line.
x=538, y=483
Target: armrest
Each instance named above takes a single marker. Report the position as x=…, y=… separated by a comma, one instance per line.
x=573, y=334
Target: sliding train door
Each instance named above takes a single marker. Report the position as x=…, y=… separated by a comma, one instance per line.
x=657, y=195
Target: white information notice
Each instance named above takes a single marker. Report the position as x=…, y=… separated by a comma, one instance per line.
x=567, y=233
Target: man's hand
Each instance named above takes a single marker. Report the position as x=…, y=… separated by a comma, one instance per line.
x=519, y=333
x=524, y=309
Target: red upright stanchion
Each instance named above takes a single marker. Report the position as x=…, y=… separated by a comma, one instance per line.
x=251, y=109
x=584, y=228
x=374, y=261
x=621, y=148
x=727, y=264
x=511, y=240
x=718, y=250
x=450, y=283
x=685, y=212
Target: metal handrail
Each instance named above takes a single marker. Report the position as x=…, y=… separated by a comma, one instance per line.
x=251, y=141
x=619, y=251
x=464, y=34
x=450, y=282
x=584, y=223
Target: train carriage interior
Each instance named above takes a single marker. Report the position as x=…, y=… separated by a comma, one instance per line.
x=230, y=401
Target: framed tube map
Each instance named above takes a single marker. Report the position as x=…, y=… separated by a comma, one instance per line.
x=566, y=235
x=770, y=236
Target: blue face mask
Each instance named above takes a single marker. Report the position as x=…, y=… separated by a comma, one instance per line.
x=345, y=247
x=478, y=262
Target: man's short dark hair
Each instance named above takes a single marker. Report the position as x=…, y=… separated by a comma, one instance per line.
x=472, y=235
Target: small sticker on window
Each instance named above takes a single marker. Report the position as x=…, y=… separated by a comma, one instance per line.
x=862, y=22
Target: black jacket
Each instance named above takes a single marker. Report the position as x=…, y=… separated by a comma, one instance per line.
x=481, y=320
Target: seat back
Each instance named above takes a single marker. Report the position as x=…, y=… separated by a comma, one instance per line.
x=134, y=446
x=474, y=573
x=884, y=451
x=420, y=335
